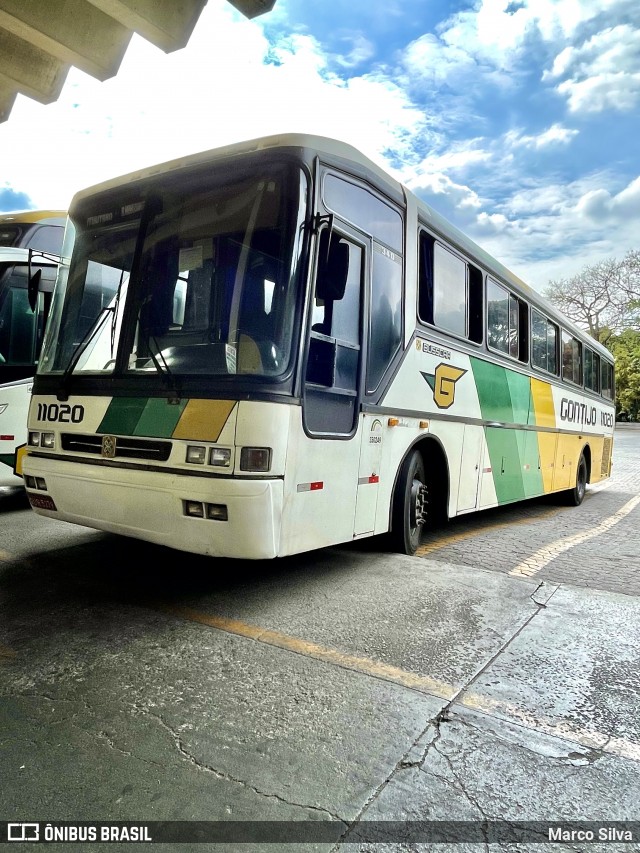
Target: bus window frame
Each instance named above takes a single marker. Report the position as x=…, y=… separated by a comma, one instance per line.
x=580, y=382
x=586, y=348
x=551, y=322
x=425, y=324
x=520, y=304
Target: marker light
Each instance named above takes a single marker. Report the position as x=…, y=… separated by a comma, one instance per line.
x=255, y=459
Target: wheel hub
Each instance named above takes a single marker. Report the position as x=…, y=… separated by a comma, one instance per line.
x=419, y=503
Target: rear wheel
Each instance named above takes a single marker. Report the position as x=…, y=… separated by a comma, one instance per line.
x=575, y=496
x=410, y=511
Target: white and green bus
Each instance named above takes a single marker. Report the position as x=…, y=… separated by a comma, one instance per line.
x=30, y=245
x=274, y=346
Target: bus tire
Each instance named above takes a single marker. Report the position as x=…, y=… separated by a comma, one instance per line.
x=410, y=505
x=575, y=496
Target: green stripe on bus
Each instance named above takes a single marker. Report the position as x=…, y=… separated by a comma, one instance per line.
x=505, y=396
x=159, y=417
x=152, y=416
x=7, y=459
x=122, y=415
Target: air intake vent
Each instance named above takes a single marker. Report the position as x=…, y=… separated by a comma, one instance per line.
x=606, y=458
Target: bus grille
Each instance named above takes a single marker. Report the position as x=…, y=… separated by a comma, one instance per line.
x=125, y=447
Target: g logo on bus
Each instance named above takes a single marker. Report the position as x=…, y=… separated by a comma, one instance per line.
x=443, y=384
x=108, y=447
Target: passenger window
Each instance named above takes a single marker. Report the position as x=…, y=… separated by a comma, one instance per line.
x=606, y=373
x=505, y=315
x=591, y=370
x=449, y=291
x=571, y=359
x=544, y=343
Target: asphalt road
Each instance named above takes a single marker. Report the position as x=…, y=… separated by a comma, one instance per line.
x=350, y=696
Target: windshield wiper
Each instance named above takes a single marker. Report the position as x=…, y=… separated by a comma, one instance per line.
x=63, y=393
x=163, y=369
x=90, y=334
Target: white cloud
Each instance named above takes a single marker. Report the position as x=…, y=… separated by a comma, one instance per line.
x=600, y=206
x=554, y=135
x=602, y=73
x=228, y=84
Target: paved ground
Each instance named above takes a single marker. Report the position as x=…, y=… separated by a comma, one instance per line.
x=596, y=545
x=336, y=689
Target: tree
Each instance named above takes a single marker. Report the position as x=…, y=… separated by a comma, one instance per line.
x=604, y=298
x=626, y=351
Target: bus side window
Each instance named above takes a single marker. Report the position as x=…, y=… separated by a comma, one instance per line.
x=425, y=278
x=571, y=359
x=507, y=322
x=335, y=331
x=607, y=383
x=450, y=291
x=385, y=330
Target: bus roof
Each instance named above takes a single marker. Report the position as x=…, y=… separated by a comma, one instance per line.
x=344, y=151
x=44, y=217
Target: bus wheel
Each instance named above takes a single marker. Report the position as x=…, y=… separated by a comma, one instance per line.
x=410, y=505
x=575, y=496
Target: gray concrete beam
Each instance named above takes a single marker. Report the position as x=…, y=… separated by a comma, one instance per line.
x=29, y=70
x=253, y=8
x=166, y=23
x=7, y=100
x=79, y=34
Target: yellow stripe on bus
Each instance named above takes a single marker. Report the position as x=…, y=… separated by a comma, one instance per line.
x=203, y=420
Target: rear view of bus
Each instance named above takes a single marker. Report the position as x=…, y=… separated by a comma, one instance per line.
x=30, y=245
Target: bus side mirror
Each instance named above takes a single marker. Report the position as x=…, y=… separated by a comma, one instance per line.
x=333, y=269
x=33, y=287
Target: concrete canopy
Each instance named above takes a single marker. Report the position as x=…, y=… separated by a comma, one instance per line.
x=41, y=39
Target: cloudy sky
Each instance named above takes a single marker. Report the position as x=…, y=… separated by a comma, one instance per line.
x=518, y=120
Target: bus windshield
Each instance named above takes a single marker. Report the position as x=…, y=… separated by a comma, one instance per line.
x=182, y=274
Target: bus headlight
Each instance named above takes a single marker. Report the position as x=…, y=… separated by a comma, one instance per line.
x=220, y=456
x=42, y=439
x=196, y=454
x=256, y=459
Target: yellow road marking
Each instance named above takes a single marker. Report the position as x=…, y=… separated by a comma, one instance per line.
x=366, y=666
x=590, y=738
x=423, y=684
x=533, y=564
x=430, y=547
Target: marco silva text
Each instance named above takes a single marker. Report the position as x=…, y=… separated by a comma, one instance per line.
x=601, y=833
